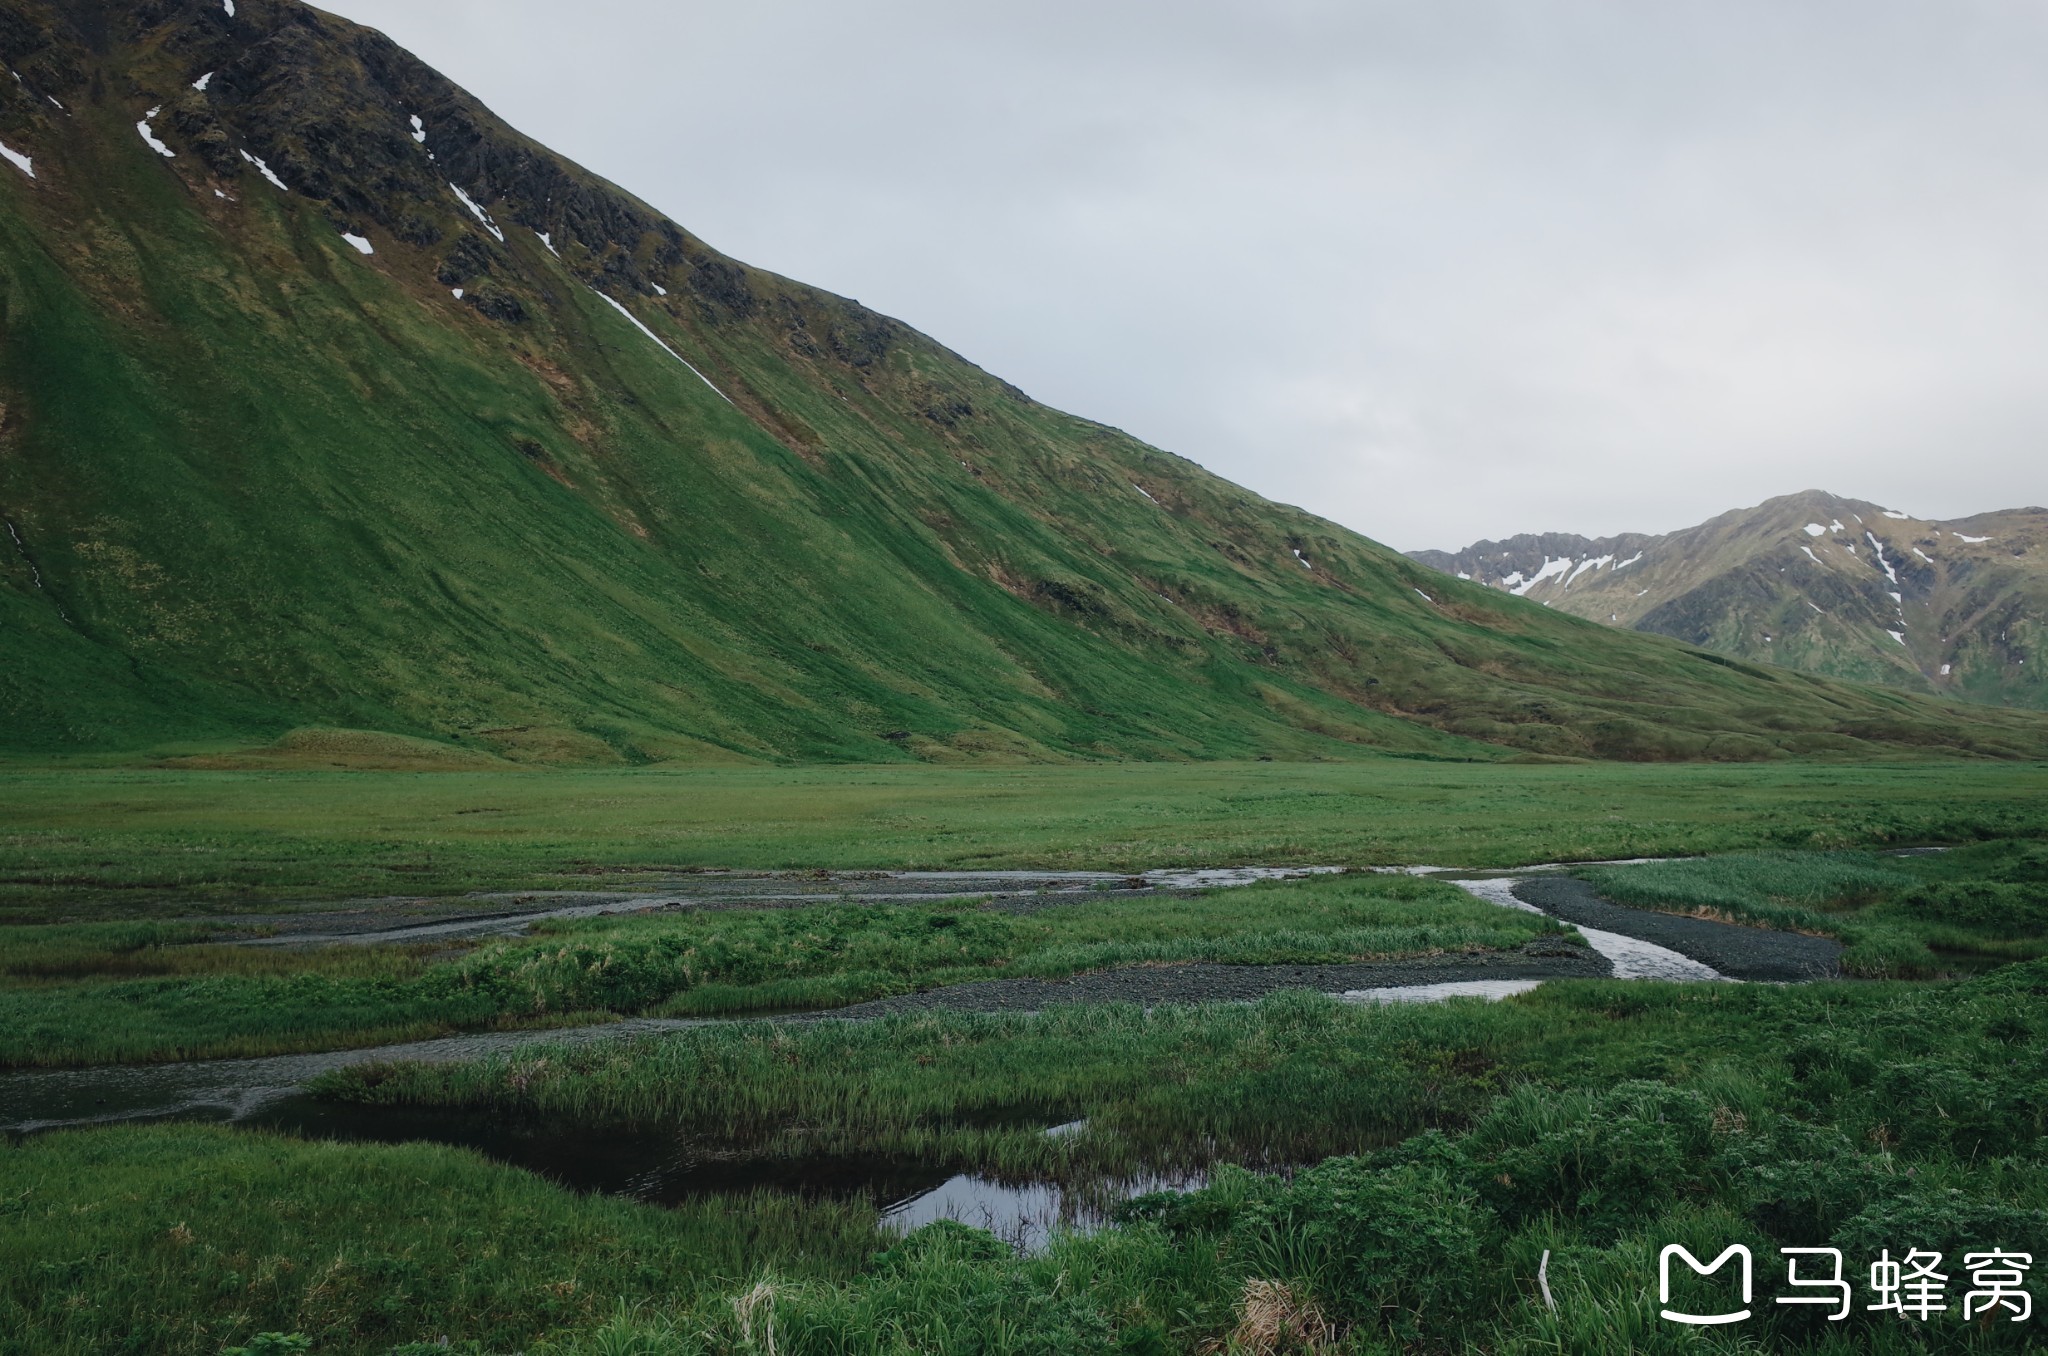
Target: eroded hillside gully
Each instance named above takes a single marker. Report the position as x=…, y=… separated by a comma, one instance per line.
x=661, y=1167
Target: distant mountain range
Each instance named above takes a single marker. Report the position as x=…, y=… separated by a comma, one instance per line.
x=1812, y=581
x=328, y=401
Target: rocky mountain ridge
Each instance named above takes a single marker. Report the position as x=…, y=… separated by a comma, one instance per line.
x=1815, y=581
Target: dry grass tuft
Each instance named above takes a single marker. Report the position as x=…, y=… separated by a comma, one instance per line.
x=1272, y=1319
x=757, y=1304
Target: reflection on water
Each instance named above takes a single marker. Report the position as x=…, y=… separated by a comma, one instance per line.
x=1024, y=1216
x=1436, y=993
x=663, y=1168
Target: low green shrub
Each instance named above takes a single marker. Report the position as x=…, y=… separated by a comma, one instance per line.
x=1994, y=907
x=1608, y=1159
x=1397, y=1246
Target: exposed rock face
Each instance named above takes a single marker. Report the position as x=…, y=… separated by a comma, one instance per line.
x=1815, y=581
x=329, y=108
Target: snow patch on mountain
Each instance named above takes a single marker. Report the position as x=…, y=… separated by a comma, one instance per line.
x=1816, y=530
x=150, y=136
x=1520, y=587
x=492, y=226
x=202, y=82
x=17, y=159
x=265, y=170
x=616, y=306
x=1974, y=541
x=362, y=244
x=419, y=130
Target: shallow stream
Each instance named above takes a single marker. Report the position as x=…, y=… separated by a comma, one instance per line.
x=662, y=1168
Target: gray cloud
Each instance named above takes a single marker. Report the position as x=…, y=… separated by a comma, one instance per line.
x=1438, y=269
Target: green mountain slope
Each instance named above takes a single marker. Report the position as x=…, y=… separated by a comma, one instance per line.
x=544, y=476
x=1813, y=581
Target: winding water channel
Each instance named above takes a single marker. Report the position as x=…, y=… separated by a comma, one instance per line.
x=270, y=1093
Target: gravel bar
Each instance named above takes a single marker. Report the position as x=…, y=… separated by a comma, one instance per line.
x=1737, y=952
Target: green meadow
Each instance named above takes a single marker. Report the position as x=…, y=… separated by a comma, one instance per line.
x=89, y=844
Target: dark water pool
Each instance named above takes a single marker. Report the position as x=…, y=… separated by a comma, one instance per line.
x=663, y=1168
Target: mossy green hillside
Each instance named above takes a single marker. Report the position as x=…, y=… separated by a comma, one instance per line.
x=261, y=481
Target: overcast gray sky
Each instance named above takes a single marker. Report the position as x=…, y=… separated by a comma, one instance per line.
x=1437, y=269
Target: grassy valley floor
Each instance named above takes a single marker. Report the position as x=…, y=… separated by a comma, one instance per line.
x=84, y=844
x=1378, y=1179
x=82, y=994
